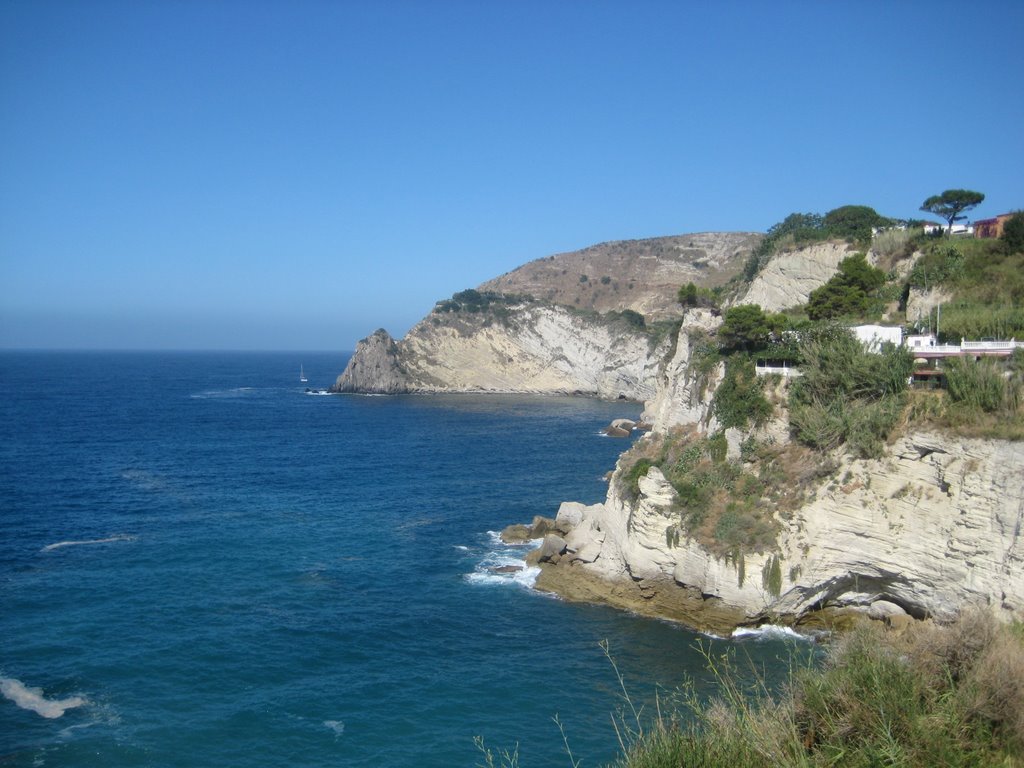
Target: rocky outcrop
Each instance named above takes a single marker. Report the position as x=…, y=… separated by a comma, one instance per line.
x=921, y=305
x=934, y=525
x=533, y=348
x=374, y=367
x=684, y=389
x=789, y=277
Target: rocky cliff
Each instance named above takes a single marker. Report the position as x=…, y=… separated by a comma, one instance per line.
x=934, y=525
x=533, y=348
x=585, y=322
x=788, y=278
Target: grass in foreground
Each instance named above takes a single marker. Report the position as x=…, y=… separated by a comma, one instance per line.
x=951, y=696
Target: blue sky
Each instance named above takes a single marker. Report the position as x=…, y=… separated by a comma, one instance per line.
x=293, y=175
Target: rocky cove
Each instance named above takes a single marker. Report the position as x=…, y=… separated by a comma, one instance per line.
x=931, y=525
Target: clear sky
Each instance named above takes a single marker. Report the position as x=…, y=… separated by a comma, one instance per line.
x=295, y=174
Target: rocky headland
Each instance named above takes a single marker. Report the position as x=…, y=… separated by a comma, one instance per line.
x=930, y=525
x=594, y=322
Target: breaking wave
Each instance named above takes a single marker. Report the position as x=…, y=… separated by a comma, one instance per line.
x=502, y=564
x=33, y=700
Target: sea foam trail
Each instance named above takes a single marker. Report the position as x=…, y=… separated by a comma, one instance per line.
x=33, y=700
x=59, y=544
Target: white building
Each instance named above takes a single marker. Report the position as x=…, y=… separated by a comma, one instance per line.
x=874, y=336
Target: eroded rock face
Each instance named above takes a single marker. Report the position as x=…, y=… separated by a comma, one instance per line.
x=534, y=349
x=684, y=393
x=374, y=368
x=788, y=279
x=934, y=525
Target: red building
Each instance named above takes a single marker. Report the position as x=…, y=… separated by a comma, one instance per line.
x=991, y=227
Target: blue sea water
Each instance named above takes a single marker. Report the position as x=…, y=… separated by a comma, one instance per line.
x=203, y=564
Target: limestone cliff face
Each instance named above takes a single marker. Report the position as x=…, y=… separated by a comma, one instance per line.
x=934, y=525
x=532, y=349
x=684, y=392
x=789, y=277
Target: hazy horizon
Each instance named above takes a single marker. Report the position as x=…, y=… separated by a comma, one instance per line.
x=271, y=176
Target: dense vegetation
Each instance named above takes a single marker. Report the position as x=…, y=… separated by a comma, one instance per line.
x=986, y=281
x=853, y=223
x=847, y=395
x=847, y=293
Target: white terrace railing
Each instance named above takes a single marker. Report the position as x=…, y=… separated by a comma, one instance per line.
x=981, y=345
x=939, y=349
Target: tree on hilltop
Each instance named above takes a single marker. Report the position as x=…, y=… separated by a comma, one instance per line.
x=855, y=222
x=951, y=204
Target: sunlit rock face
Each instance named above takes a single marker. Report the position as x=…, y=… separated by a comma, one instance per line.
x=534, y=349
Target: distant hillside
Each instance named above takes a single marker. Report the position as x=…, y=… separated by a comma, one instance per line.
x=640, y=275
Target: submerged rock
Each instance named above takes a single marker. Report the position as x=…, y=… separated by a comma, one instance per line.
x=499, y=569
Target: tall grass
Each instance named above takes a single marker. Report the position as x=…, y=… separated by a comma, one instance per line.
x=950, y=696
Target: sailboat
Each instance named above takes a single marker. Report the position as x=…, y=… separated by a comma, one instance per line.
x=302, y=375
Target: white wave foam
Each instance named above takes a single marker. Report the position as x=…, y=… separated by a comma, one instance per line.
x=768, y=632
x=60, y=544
x=462, y=548
x=525, y=578
x=337, y=727
x=32, y=699
x=495, y=540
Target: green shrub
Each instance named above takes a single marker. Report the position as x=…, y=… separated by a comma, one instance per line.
x=747, y=327
x=692, y=296
x=846, y=394
x=1013, y=233
x=941, y=265
x=739, y=399
x=853, y=222
x=633, y=475
x=847, y=293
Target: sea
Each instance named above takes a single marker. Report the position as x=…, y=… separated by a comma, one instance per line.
x=206, y=562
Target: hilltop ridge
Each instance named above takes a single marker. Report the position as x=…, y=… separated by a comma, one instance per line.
x=639, y=275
